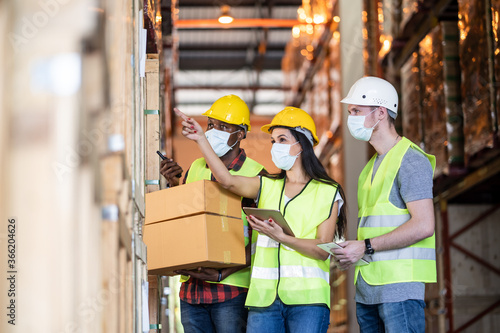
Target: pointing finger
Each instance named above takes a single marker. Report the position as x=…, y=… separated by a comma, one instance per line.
x=180, y=114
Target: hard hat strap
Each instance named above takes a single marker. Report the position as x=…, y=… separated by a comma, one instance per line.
x=306, y=132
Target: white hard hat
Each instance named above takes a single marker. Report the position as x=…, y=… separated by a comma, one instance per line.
x=371, y=91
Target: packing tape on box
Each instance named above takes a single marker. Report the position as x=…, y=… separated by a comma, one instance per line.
x=227, y=257
x=223, y=205
x=225, y=225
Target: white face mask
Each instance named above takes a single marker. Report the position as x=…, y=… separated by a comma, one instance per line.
x=356, y=125
x=281, y=155
x=218, y=141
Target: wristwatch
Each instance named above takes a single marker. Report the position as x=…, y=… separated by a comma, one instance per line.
x=368, y=246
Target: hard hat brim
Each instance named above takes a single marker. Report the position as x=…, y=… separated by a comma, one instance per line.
x=214, y=116
x=349, y=100
x=267, y=129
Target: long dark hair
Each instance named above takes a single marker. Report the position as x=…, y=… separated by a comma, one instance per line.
x=314, y=169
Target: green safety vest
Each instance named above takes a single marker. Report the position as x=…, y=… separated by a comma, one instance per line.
x=378, y=216
x=250, y=168
x=278, y=270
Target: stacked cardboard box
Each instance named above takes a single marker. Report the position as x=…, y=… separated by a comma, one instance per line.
x=193, y=225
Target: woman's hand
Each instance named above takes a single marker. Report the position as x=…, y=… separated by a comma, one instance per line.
x=190, y=127
x=267, y=227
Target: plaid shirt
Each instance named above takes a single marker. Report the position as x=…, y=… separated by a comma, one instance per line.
x=196, y=291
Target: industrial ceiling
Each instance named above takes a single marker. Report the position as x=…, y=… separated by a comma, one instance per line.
x=242, y=58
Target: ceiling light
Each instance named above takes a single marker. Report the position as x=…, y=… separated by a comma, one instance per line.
x=225, y=18
x=318, y=19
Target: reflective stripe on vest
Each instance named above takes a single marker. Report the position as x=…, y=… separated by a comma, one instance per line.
x=280, y=270
x=290, y=272
x=264, y=241
x=250, y=168
x=383, y=221
x=406, y=253
x=378, y=216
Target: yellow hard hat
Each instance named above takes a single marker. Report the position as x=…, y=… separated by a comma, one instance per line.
x=293, y=117
x=230, y=109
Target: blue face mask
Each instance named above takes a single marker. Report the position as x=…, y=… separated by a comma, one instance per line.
x=356, y=125
x=281, y=155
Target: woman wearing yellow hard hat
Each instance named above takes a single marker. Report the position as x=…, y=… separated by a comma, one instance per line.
x=289, y=287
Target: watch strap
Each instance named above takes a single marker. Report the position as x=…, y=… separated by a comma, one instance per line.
x=368, y=247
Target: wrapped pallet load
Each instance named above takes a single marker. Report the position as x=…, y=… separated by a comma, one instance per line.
x=479, y=124
x=411, y=110
x=408, y=9
x=453, y=101
x=433, y=101
x=495, y=26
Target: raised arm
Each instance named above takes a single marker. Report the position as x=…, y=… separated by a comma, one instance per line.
x=247, y=187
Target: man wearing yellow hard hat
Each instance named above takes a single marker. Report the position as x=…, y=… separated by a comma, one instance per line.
x=212, y=298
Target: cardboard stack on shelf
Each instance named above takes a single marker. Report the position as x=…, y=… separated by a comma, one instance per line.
x=193, y=225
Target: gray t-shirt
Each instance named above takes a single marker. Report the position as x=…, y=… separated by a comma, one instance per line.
x=413, y=182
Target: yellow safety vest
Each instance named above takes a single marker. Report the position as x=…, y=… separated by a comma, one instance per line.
x=278, y=270
x=378, y=216
x=250, y=168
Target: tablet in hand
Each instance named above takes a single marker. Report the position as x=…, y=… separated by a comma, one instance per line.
x=266, y=214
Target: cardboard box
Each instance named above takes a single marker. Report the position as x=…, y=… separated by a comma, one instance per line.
x=203, y=196
x=205, y=240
